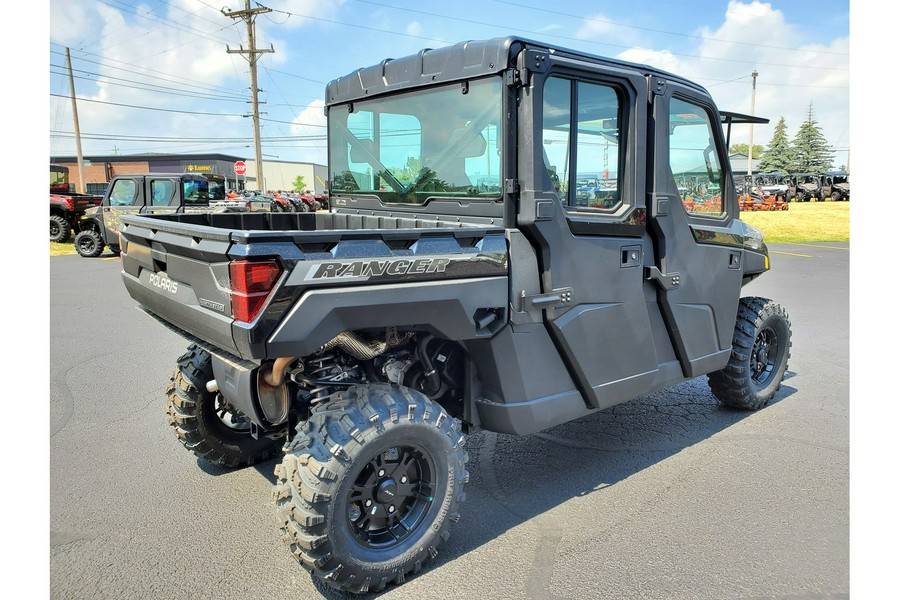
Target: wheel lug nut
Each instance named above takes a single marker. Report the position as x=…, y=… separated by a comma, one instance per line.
x=381, y=473
x=403, y=479
x=391, y=508
x=368, y=503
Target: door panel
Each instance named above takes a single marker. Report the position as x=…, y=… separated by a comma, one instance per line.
x=125, y=198
x=583, y=208
x=698, y=283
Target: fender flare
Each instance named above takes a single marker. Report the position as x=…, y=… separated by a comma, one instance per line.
x=454, y=309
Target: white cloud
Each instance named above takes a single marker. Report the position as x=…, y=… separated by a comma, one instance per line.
x=414, y=28
x=795, y=67
x=310, y=123
x=594, y=26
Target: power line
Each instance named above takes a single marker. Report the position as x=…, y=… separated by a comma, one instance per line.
x=169, y=110
x=147, y=87
x=650, y=29
x=145, y=138
x=145, y=72
x=187, y=112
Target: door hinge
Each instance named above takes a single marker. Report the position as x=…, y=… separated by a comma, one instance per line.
x=667, y=281
x=656, y=87
x=511, y=186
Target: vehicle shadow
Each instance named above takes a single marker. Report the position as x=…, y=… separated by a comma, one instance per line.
x=517, y=478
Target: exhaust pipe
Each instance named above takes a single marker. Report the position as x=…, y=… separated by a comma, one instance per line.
x=276, y=375
x=347, y=341
x=362, y=349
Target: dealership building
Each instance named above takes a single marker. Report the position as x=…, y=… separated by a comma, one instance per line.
x=278, y=175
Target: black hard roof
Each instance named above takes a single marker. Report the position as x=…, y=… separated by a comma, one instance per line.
x=464, y=60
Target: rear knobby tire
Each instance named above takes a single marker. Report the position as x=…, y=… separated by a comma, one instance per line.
x=60, y=230
x=759, y=356
x=196, y=415
x=368, y=487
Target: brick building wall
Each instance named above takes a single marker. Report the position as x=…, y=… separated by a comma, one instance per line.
x=102, y=172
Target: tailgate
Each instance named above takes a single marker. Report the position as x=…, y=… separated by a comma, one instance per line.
x=180, y=273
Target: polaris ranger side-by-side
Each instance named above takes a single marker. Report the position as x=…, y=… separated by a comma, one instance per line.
x=364, y=344
x=145, y=193
x=66, y=206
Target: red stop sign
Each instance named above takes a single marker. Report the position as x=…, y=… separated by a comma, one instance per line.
x=240, y=167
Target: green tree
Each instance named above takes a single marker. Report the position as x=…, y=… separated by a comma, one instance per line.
x=778, y=156
x=745, y=148
x=299, y=184
x=812, y=152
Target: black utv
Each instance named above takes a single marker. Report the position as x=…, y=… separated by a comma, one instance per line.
x=363, y=345
x=804, y=187
x=835, y=185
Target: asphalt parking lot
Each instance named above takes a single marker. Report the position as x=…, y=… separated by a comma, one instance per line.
x=668, y=496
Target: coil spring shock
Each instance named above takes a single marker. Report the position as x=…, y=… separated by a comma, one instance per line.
x=319, y=369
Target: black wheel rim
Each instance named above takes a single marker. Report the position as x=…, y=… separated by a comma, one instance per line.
x=391, y=496
x=231, y=419
x=54, y=229
x=764, y=357
x=87, y=245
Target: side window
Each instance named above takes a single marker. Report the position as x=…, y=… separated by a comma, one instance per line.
x=584, y=170
x=123, y=193
x=196, y=192
x=162, y=192
x=693, y=158
x=557, y=126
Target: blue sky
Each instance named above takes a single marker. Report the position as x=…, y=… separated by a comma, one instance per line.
x=155, y=76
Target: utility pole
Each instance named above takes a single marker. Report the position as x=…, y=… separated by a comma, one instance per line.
x=252, y=56
x=752, y=113
x=80, y=187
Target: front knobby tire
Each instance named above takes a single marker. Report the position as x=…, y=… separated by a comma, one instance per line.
x=759, y=356
x=369, y=486
x=203, y=424
x=89, y=244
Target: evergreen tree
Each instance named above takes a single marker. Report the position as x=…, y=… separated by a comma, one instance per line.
x=778, y=156
x=812, y=152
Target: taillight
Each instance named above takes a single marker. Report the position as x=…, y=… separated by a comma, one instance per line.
x=251, y=284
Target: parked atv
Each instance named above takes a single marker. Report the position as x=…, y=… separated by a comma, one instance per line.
x=150, y=193
x=804, y=187
x=835, y=185
x=364, y=344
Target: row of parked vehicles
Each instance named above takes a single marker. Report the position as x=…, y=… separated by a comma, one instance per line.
x=94, y=220
x=256, y=201
x=773, y=191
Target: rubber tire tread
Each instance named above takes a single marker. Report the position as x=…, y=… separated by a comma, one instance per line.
x=732, y=385
x=95, y=250
x=65, y=230
x=190, y=411
x=308, y=478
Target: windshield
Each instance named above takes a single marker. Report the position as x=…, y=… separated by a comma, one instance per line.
x=443, y=141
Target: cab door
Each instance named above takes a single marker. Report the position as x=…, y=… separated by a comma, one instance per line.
x=124, y=197
x=582, y=204
x=693, y=212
